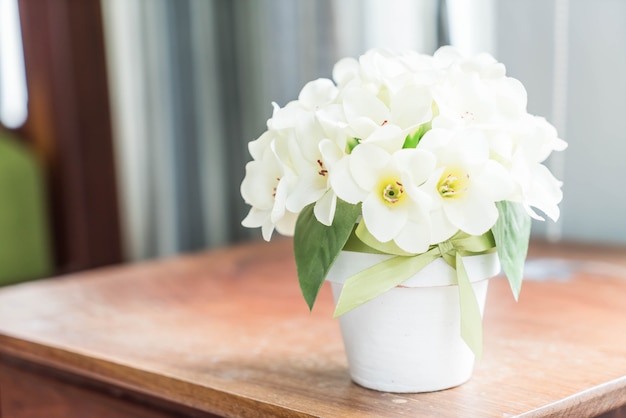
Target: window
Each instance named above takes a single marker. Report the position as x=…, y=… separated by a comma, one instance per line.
x=13, y=93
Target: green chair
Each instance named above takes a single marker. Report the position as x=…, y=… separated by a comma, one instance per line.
x=25, y=252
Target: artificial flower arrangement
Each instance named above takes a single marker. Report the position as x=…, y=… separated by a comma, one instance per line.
x=407, y=154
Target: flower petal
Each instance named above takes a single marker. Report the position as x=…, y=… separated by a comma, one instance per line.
x=258, y=147
x=259, y=218
x=343, y=183
x=255, y=218
x=495, y=182
x=307, y=188
x=324, y=208
x=361, y=127
x=473, y=214
x=284, y=118
x=390, y=137
x=317, y=93
x=511, y=97
x=280, y=200
x=419, y=164
x=258, y=185
x=383, y=222
x=358, y=103
x=545, y=192
x=414, y=237
x=441, y=228
x=411, y=106
x=435, y=139
x=331, y=153
x=287, y=224
x=345, y=70
x=267, y=229
x=366, y=161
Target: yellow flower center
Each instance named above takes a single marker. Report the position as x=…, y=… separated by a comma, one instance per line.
x=391, y=191
x=453, y=183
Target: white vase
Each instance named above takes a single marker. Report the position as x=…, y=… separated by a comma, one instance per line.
x=408, y=339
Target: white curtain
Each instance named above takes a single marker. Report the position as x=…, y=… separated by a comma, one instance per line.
x=192, y=82
x=570, y=56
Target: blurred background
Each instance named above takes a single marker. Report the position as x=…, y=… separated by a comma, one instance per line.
x=124, y=123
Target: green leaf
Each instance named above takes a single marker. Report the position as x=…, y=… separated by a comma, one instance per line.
x=316, y=246
x=512, y=233
x=413, y=139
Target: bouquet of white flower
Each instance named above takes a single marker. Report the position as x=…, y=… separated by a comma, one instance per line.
x=417, y=151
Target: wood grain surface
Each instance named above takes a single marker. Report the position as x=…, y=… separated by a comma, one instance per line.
x=227, y=332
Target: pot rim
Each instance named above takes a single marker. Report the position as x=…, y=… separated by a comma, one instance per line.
x=436, y=274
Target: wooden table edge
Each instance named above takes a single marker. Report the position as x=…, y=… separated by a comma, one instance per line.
x=593, y=401
x=153, y=385
x=590, y=402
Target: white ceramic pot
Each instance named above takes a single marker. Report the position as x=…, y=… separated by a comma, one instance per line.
x=408, y=339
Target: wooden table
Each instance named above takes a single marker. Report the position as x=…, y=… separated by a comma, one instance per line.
x=226, y=333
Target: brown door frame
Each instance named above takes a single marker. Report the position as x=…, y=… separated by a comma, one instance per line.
x=69, y=127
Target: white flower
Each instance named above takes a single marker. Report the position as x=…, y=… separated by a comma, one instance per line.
x=393, y=205
x=380, y=89
x=475, y=145
x=465, y=184
x=475, y=92
x=374, y=69
x=265, y=188
x=483, y=64
x=408, y=108
x=537, y=187
x=304, y=123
